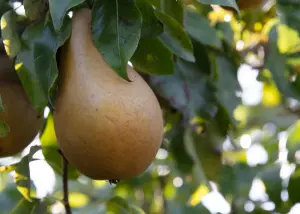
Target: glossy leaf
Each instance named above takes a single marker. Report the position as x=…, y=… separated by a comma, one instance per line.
x=59, y=9
x=9, y=33
x=116, y=27
x=187, y=90
x=51, y=147
x=36, y=63
x=175, y=38
x=152, y=57
x=199, y=28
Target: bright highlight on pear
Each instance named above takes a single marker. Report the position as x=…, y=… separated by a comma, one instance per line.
x=107, y=128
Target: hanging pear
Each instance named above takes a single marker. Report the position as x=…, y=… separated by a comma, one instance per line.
x=106, y=127
x=23, y=120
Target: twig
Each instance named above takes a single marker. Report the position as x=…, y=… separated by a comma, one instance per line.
x=65, y=184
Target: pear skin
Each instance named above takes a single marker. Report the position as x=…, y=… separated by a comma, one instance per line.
x=106, y=127
x=23, y=120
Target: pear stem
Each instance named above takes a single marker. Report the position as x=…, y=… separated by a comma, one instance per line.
x=65, y=184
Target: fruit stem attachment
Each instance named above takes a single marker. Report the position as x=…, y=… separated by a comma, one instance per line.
x=65, y=183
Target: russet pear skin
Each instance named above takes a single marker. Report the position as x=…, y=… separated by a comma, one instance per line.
x=23, y=120
x=106, y=127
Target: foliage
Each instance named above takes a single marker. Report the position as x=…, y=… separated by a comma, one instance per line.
x=195, y=55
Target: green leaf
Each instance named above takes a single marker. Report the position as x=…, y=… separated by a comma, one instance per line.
x=199, y=28
x=228, y=3
x=4, y=129
x=59, y=9
x=152, y=57
x=175, y=38
x=273, y=182
x=151, y=27
x=36, y=63
x=116, y=27
x=51, y=147
x=277, y=64
x=121, y=206
x=11, y=40
x=293, y=140
x=187, y=90
x=25, y=206
x=35, y=9
x=1, y=105
x=22, y=174
x=174, y=9
x=289, y=13
x=294, y=186
x=227, y=85
x=227, y=32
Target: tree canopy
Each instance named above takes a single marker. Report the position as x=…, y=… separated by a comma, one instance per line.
x=226, y=75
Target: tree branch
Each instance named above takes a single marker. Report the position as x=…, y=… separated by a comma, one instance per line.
x=65, y=184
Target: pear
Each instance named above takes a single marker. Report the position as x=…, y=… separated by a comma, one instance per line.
x=23, y=120
x=108, y=128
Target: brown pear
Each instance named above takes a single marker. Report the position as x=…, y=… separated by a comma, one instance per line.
x=106, y=127
x=23, y=120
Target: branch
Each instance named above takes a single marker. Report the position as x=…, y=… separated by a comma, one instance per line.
x=65, y=184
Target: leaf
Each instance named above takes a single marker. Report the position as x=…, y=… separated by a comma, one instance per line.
x=174, y=9
x=1, y=105
x=36, y=63
x=227, y=32
x=175, y=38
x=273, y=182
x=151, y=26
x=187, y=90
x=51, y=147
x=152, y=57
x=228, y=3
x=116, y=27
x=4, y=129
x=293, y=187
x=121, y=206
x=35, y=9
x=22, y=174
x=227, y=85
x=59, y=9
x=11, y=40
x=25, y=206
x=276, y=63
x=289, y=13
x=293, y=140
x=199, y=28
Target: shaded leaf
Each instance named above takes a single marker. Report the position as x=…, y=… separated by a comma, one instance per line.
x=276, y=63
x=121, y=206
x=227, y=32
x=187, y=90
x=36, y=63
x=228, y=3
x=22, y=174
x=11, y=40
x=116, y=27
x=289, y=13
x=51, y=147
x=227, y=85
x=4, y=129
x=152, y=57
x=174, y=9
x=175, y=38
x=199, y=28
x=59, y=9
x=293, y=187
x=273, y=182
x=293, y=140
x=151, y=26
x=35, y=9
x=25, y=206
